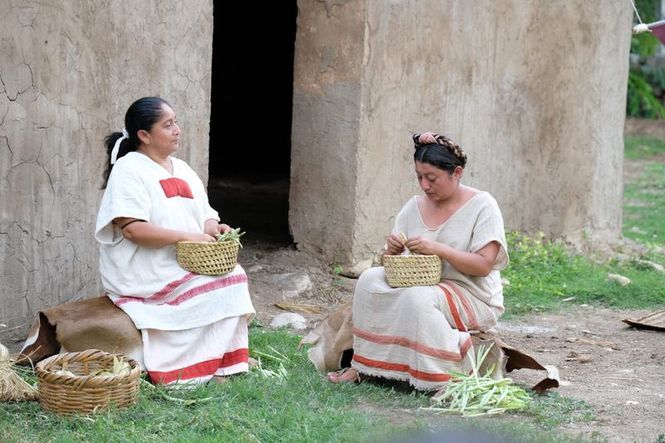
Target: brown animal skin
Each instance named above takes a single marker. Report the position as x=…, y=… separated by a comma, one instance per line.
x=94, y=323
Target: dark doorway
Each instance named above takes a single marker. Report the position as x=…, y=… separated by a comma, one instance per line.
x=250, y=123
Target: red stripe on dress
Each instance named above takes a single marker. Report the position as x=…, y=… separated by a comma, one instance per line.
x=166, y=290
x=420, y=375
x=207, y=287
x=202, y=369
x=198, y=290
x=175, y=187
x=468, y=309
x=465, y=346
x=407, y=343
x=171, y=287
x=233, y=358
x=453, y=309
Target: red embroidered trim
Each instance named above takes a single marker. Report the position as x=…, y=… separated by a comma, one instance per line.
x=201, y=369
x=425, y=376
x=408, y=343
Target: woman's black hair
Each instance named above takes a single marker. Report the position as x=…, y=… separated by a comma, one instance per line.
x=444, y=154
x=142, y=114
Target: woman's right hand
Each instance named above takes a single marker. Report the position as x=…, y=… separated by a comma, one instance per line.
x=394, y=243
x=200, y=237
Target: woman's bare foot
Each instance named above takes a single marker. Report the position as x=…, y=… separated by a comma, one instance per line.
x=220, y=379
x=346, y=375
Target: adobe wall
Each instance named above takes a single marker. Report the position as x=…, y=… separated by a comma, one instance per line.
x=69, y=71
x=533, y=91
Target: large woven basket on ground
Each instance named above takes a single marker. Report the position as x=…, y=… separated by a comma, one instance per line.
x=412, y=270
x=67, y=384
x=208, y=258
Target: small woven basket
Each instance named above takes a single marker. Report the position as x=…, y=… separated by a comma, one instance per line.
x=412, y=270
x=83, y=392
x=207, y=258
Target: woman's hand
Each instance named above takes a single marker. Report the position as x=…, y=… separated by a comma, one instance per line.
x=214, y=228
x=395, y=246
x=200, y=237
x=423, y=246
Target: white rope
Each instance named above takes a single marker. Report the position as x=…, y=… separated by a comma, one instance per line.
x=636, y=13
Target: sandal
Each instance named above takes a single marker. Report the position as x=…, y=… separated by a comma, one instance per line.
x=346, y=375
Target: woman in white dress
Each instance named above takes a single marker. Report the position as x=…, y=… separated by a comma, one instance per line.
x=419, y=334
x=194, y=327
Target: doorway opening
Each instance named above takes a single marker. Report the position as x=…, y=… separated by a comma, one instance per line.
x=250, y=122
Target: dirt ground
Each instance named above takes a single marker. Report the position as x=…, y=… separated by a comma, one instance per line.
x=617, y=369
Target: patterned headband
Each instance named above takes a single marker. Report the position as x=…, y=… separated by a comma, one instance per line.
x=432, y=138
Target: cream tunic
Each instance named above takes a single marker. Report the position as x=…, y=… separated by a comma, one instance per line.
x=477, y=223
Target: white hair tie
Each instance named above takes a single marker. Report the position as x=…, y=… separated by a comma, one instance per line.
x=116, y=147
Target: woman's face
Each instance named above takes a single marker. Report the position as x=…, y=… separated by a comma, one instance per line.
x=436, y=183
x=164, y=135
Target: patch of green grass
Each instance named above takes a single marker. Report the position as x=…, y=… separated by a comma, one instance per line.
x=640, y=148
x=299, y=407
x=644, y=196
x=543, y=274
x=644, y=207
x=551, y=410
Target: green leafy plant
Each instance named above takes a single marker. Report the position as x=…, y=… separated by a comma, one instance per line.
x=475, y=394
x=232, y=235
x=641, y=101
x=645, y=82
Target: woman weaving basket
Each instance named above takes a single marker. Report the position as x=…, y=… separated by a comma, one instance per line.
x=420, y=333
x=193, y=326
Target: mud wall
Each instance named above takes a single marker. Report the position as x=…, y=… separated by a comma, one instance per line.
x=69, y=71
x=533, y=91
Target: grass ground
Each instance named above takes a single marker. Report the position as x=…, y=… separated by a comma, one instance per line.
x=300, y=406
x=297, y=407
x=644, y=198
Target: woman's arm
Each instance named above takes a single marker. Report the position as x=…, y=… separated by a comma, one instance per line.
x=147, y=234
x=472, y=263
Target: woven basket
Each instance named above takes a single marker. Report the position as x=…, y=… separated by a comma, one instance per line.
x=412, y=270
x=84, y=393
x=208, y=258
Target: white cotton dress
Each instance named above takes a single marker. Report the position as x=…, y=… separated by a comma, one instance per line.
x=193, y=326
x=419, y=334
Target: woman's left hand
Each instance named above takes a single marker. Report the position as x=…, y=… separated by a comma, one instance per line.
x=214, y=228
x=422, y=245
